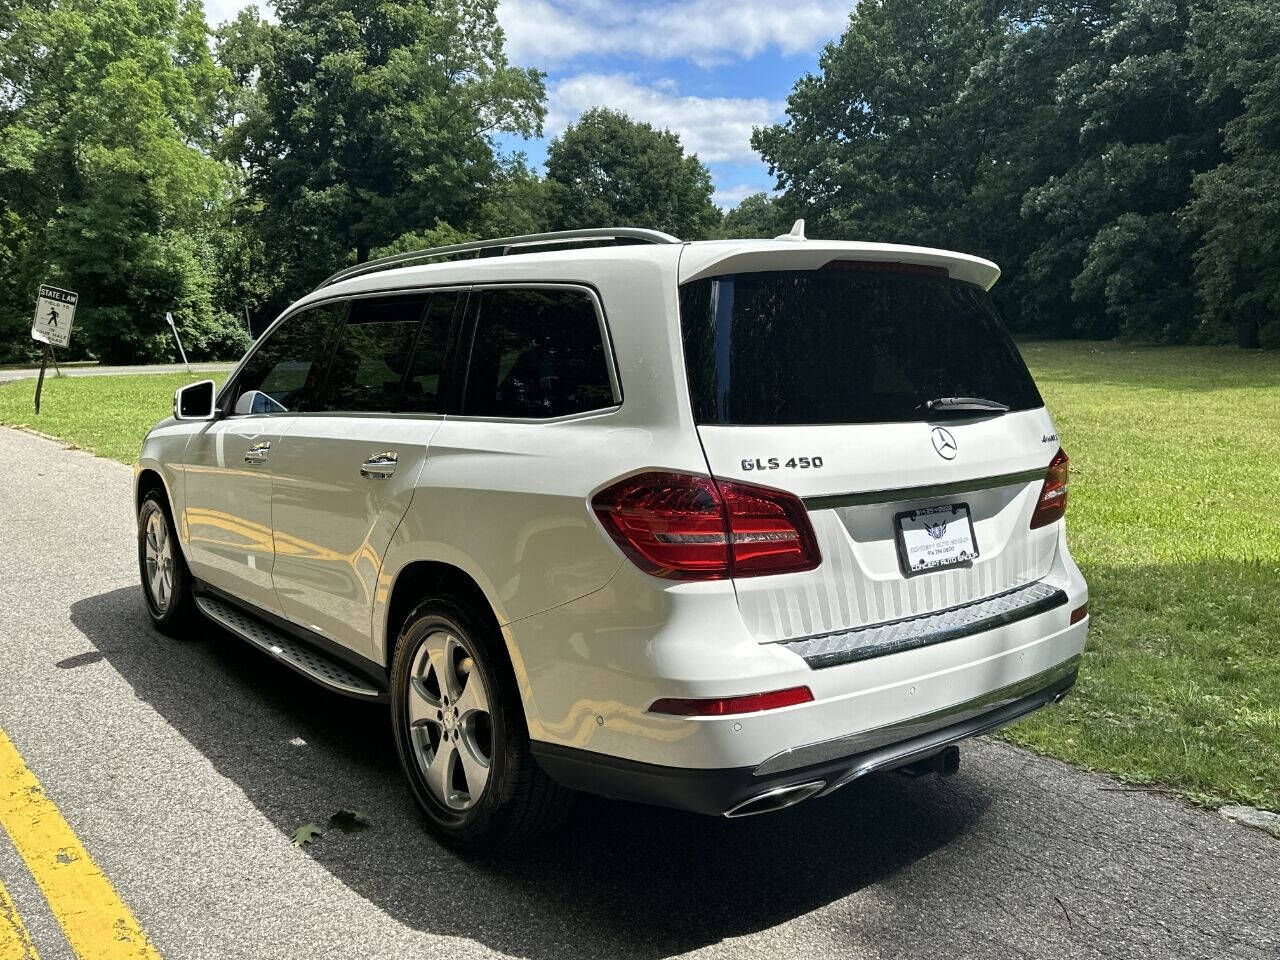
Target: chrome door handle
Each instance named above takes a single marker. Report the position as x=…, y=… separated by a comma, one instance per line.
x=380, y=465
x=258, y=452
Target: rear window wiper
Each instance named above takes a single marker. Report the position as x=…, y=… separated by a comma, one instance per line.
x=978, y=405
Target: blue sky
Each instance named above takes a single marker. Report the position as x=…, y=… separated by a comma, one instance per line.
x=708, y=69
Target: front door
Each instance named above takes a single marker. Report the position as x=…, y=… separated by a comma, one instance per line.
x=345, y=475
x=226, y=517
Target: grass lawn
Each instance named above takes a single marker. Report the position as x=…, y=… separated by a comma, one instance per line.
x=107, y=415
x=1174, y=468
x=1175, y=463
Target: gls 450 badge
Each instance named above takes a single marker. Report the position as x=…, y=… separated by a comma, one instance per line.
x=777, y=463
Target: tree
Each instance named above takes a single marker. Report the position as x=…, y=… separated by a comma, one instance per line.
x=1061, y=140
x=1116, y=248
x=1237, y=203
x=363, y=120
x=756, y=217
x=609, y=170
x=882, y=142
x=106, y=183
x=908, y=132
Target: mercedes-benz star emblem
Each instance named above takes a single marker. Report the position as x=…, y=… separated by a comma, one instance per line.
x=944, y=444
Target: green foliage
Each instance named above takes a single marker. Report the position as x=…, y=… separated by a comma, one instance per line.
x=610, y=170
x=757, y=217
x=517, y=203
x=1237, y=203
x=1082, y=147
x=441, y=235
x=360, y=121
x=106, y=185
x=882, y=143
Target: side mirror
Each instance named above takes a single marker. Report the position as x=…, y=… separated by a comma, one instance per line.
x=195, y=401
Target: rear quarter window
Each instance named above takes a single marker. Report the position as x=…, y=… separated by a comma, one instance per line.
x=843, y=346
x=537, y=353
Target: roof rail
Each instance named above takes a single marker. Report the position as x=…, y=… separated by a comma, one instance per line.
x=506, y=243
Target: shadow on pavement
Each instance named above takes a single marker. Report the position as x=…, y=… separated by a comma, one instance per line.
x=621, y=880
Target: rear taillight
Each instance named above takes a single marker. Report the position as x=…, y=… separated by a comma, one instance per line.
x=687, y=527
x=1053, y=493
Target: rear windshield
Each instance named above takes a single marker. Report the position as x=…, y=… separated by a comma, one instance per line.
x=843, y=346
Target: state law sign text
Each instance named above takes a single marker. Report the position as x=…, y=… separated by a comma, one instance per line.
x=55, y=312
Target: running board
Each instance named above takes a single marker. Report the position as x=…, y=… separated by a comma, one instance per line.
x=295, y=654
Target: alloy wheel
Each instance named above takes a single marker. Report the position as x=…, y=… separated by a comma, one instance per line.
x=158, y=556
x=450, y=726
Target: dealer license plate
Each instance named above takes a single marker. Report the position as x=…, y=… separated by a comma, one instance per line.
x=935, y=537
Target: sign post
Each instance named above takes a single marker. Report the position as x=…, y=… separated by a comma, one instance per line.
x=55, y=312
x=174, y=327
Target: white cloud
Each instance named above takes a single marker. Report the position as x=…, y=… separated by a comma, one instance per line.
x=543, y=32
x=218, y=11
x=717, y=129
x=727, y=198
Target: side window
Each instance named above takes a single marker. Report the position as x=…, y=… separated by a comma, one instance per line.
x=422, y=388
x=279, y=377
x=537, y=353
x=372, y=354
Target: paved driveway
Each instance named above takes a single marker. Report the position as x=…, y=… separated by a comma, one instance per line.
x=183, y=767
x=72, y=370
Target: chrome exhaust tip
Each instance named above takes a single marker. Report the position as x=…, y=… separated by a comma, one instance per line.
x=779, y=798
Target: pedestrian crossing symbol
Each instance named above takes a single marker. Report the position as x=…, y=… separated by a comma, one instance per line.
x=55, y=311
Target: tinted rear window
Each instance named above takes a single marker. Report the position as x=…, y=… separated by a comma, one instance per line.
x=837, y=346
x=538, y=353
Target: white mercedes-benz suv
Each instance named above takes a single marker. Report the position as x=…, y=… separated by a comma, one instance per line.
x=720, y=526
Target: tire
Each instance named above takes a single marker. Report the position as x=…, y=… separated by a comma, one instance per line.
x=450, y=734
x=166, y=581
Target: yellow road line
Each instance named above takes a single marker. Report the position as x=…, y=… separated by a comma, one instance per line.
x=15, y=942
x=95, y=920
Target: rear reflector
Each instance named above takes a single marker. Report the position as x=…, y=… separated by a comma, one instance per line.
x=1052, y=504
x=687, y=527
x=1079, y=613
x=724, y=706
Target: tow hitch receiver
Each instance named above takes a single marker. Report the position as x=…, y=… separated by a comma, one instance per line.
x=944, y=763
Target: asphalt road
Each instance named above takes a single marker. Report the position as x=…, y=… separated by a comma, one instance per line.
x=72, y=370
x=184, y=766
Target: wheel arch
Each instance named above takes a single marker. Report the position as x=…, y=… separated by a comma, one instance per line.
x=148, y=479
x=418, y=579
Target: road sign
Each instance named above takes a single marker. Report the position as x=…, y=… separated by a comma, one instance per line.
x=55, y=311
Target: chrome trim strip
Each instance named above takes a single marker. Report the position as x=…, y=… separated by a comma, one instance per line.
x=840, y=647
x=858, y=743
x=903, y=494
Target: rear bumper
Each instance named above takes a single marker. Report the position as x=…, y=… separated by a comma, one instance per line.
x=823, y=766
x=589, y=671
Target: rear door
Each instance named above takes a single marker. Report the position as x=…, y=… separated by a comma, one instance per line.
x=345, y=475
x=818, y=382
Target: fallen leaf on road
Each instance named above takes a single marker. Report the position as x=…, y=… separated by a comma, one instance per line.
x=305, y=834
